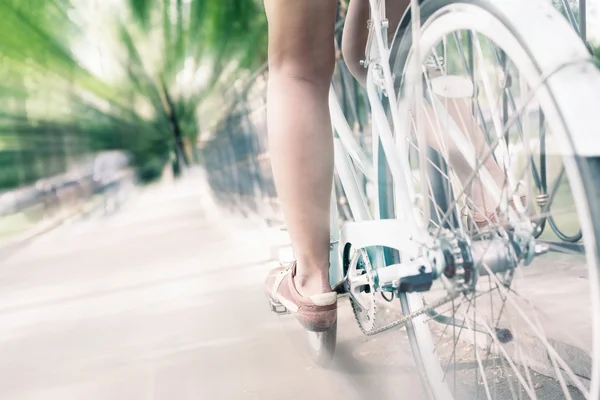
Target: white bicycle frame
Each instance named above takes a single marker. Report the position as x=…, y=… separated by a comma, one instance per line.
x=406, y=233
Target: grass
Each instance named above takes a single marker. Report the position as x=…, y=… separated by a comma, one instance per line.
x=14, y=224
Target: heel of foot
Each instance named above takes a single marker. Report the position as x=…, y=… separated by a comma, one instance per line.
x=324, y=299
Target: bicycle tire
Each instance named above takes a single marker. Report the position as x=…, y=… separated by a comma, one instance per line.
x=322, y=346
x=582, y=172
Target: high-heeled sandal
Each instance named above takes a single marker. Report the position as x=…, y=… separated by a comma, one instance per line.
x=479, y=221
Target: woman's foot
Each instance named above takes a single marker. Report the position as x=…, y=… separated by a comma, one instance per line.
x=316, y=312
x=482, y=220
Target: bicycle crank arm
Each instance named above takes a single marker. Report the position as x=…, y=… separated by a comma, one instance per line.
x=340, y=288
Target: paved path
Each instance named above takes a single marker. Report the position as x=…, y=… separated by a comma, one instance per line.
x=165, y=301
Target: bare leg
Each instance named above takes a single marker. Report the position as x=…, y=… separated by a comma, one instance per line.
x=459, y=111
x=354, y=40
x=301, y=61
x=353, y=46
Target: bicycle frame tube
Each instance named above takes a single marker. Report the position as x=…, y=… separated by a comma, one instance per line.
x=340, y=125
x=583, y=20
x=396, y=151
x=346, y=148
x=335, y=264
x=393, y=142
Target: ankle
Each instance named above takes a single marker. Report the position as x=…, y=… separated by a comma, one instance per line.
x=310, y=284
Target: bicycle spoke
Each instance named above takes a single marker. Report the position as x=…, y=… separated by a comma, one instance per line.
x=477, y=162
x=455, y=340
x=538, y=312
x=557, y=371
x=509, y=359
x=543, y=339
x=478, y=358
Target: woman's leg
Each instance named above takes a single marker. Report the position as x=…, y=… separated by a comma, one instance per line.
x=354, y=40
x=301, y=62
x=353, y=47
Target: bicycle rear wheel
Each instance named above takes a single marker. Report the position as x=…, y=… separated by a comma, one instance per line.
x=532, y=330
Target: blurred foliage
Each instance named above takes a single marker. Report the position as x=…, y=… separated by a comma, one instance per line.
x=146, y=76
x=80, y=76
x=572, y=4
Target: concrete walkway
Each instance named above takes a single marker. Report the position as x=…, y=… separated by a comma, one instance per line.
x=165, y=301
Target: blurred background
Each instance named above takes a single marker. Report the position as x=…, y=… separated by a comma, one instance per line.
x=155, y=85
x=129, y=129
x=149, y=79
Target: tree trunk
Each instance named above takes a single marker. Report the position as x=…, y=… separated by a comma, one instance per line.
x=181, y=158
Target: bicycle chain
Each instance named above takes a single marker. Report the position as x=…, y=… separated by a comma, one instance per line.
x=458, y=280
x=406, y=318
x=371, y=314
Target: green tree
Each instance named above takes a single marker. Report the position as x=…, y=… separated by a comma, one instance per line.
x=169, y=59
x=201, y=43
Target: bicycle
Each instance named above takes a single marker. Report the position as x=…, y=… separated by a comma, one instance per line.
x=425, y=232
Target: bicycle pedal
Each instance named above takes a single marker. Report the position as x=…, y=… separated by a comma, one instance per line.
x=278, y=308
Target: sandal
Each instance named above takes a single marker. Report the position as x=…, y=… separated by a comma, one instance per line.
x=481, y=221
x=316, y=313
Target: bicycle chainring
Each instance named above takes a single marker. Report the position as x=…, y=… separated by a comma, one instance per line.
x=365, y=316
x=459, y=269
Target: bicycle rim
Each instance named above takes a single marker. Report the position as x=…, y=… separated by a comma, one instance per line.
x=528, y=380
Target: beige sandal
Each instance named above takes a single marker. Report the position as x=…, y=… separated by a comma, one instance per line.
x=481, y=221
x=316, y=313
